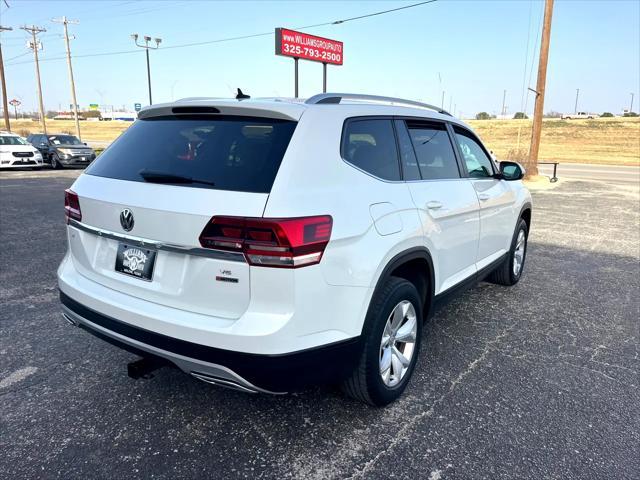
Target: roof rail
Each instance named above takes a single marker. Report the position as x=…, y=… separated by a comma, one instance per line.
x=333, y=98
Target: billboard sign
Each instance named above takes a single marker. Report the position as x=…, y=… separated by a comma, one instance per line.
x=290, y=43
x=93, y=106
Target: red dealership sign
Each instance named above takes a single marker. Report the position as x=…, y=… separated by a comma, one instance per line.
x=308, y=47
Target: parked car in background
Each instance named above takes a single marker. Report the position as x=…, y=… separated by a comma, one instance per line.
x=62, y=150
x=578, y=116
x=16, y=152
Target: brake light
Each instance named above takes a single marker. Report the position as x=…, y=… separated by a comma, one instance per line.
x=271, y=242
x=72, y=206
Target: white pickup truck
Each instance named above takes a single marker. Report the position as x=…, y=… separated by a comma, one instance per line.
x=578, y=115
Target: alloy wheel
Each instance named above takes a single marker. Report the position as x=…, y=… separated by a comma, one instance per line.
x=518, y=253
x=398, y=343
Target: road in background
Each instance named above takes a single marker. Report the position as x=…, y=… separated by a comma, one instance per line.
x=535, y=381
x=614, y=173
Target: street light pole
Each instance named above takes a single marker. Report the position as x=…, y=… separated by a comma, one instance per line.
x=631, y=106
x=149, y=76
x=575, y=108
x=147, y=46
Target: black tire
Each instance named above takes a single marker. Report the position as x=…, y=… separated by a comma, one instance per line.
x=55, y=161
x=504, y=274
x=365, y=383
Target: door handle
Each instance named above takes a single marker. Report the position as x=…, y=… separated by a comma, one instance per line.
x=434, y=205
x=484, y=196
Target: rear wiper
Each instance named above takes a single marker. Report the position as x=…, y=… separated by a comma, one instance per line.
x=163, y=177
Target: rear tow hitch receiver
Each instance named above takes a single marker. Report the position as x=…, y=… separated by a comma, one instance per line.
x=144, y=367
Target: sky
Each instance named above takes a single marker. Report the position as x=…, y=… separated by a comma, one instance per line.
x=471, y=50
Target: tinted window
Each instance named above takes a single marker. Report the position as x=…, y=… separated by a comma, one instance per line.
x=410, y=170
x=434, y=150
x=235, y=153
x=478, y=163
x=11, y=140
x=371, y=146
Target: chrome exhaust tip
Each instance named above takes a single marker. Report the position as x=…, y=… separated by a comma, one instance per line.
x=69, y=320
x=222, y=382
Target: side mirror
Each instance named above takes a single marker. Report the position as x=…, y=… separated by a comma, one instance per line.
x=84, y=143
x=511, y=171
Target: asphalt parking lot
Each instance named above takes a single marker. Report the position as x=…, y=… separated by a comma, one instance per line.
x=537, y=381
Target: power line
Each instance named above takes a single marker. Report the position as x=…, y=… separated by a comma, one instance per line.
x=18, y=56
x=240, y=37
x=337, y=22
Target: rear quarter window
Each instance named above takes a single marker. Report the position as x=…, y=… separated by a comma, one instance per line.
x=230, y=152
x=371, y=146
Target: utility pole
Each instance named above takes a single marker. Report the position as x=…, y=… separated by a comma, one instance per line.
x=504, y=99
x=7, y=125
x=631, y=106
x=442, y=104
x=575, y=108
x=66, y=22
x=35, y=45
x=146, y=47
x=540, y=88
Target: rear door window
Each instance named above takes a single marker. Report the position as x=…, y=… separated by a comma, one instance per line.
x=410, y=170
x=222, y=152
x=431, y=142
x=371, y=146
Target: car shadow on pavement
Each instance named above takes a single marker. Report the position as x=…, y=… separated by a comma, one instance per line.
x=535, y=372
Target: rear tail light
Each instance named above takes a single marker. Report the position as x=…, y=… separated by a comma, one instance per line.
x=72, y=206
x=271, y=242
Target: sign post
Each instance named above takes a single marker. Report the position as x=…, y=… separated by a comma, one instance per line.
x=324, y=77
x=298, y=45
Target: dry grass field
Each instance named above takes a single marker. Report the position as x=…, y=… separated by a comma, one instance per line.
x=91, y=131
x=614, y=141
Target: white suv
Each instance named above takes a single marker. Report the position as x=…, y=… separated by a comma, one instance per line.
x=266, y=245
x=16, y=152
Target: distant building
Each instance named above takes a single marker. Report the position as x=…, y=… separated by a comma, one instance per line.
x=67, y=116
x=124, y=116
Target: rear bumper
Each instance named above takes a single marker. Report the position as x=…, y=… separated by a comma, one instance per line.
x=245, y=371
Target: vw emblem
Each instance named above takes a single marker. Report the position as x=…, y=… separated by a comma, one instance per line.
x=126, y=219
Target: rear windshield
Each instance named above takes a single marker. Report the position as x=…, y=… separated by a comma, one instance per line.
x=225, y=153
